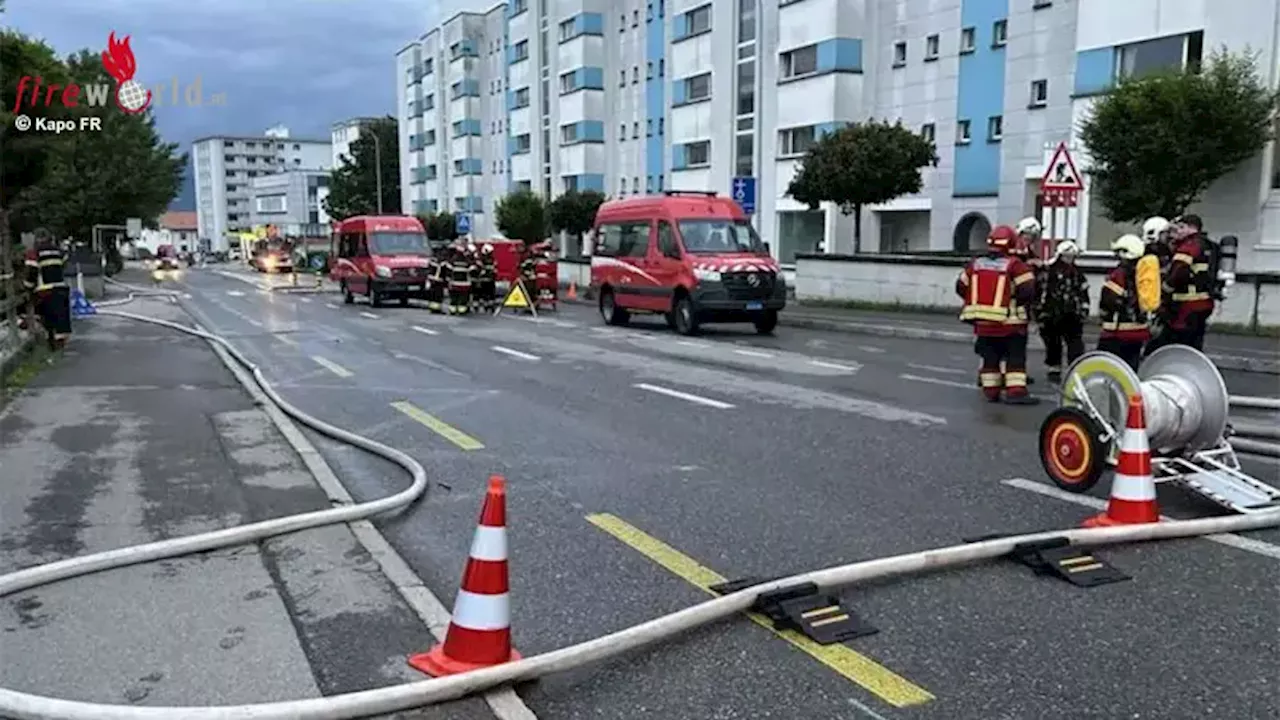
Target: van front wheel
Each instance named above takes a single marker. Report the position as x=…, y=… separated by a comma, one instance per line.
x=686, y=319
x=609, y=310
x=766, y=322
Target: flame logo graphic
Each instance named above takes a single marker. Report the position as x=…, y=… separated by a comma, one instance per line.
x=119, y=62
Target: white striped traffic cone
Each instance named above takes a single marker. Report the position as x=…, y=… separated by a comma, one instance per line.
x=479, y=632
x=1133, y=487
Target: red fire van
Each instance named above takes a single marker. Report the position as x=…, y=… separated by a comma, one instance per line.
x=380, y=257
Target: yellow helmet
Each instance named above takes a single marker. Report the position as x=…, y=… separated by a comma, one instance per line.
x=1129, y=247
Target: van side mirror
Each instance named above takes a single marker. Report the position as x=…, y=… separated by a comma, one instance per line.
x=768, y=249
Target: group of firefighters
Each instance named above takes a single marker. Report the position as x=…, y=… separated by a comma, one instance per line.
x=1161, y=292
x=463, y=277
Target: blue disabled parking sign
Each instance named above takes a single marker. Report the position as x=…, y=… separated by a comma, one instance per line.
x=744, y=193
x=464, y=224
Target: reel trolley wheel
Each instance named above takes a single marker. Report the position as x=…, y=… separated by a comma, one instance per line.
x=1073, y=449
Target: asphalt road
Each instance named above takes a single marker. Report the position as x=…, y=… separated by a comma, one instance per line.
x=761, y=456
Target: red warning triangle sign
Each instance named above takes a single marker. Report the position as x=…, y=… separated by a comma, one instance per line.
x=1061, y=174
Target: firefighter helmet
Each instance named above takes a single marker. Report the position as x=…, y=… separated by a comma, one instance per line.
x=1001, y=237
x=1029, y=226
x=1153, y=228
x=487, y=248
x=1067, y=250
x=1129, y=247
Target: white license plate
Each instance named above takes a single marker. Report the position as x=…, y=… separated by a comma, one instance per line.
x=755, y=306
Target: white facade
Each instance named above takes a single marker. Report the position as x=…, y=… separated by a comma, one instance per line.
x=342, y=135
x=639, y=96
x=225, y=166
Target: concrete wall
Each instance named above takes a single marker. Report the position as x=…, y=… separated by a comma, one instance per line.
x=930, y=282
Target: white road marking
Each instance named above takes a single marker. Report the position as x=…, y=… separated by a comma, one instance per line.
x=514, y=353
x=832, y=366
x=332, y=367
x=754, y=353
x=424, y=331
x=235, y=293
x=935, y=368
x=693, y=343
x=870, y=348
x=186, y=296
x=866, y=710
x=305, y=299
x=688, y=397
x=264, y=292
x=369, y=315
x=287, y=340
x=939, y=381
x=1258, y=547
x=331, y=306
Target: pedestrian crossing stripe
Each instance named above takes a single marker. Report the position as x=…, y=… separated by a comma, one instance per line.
x=517, y=297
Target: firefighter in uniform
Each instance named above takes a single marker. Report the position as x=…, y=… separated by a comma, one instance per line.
x=46, y=280
x=1125, y=326
x=486, y=284
x=1061, y=306
x=437, y=267
x=1188, y=286
x=529, y=272
x=997, y=289
x=459, y=281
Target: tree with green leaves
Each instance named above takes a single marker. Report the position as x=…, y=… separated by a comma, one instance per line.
x=1157, y=143
x=522, y=215
x=574, y=212
x=353, y=189
x=862, y=164
x=97, y=177
x=440, y=227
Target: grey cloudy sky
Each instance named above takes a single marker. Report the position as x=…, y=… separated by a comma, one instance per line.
x=304, y=63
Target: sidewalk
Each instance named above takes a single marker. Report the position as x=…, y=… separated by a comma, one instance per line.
x=136, y=434
x=1249, y=353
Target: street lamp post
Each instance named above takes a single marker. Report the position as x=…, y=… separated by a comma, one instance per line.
x=377, y=171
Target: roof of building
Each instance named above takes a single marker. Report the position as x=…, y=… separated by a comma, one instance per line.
x=262, y=138
x=354, y=121
x=179, y=220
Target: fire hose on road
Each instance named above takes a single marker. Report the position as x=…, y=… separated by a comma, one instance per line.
x=26, y=706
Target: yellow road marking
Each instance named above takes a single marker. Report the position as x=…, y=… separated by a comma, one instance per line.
x=862, y=670
x=332, y=367
x=439, y=427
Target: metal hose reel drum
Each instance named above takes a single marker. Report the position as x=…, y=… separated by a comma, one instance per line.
x=1183, y=393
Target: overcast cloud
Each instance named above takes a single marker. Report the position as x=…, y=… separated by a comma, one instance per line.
x=303, y=63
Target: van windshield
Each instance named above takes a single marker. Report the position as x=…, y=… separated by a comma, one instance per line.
x=398, y=243
x=711, y=235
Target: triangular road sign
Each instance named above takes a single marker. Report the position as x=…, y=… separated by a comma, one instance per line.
x=1061, y=174
x=80, y=305
x=517, y=299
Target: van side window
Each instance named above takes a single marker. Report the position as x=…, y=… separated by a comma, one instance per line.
x=667, y=241
x=608, y=240
x=635, y=239
x=347, y=245
x=362, y=245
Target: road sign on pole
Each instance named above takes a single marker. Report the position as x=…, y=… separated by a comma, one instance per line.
x=1061, y=183
x=464, y=224
x=744, y=193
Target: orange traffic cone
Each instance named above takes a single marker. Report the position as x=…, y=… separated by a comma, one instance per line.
x=479, y=632
x=1133, y=488
x=572, y=293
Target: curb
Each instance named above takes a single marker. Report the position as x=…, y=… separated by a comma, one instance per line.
x=505, y=703
x=1263, y=366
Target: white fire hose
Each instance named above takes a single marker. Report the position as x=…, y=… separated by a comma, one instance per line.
x=26, y=706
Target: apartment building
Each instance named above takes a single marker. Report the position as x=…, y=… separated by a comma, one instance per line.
x=225, y=167
x=341, y=135
x=638, y=96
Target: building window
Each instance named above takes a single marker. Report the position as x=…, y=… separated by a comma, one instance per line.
x=622, y=23
x=1039, y=93
x=522, y=144
x=697, y=154
x=1041, y=4
x=796, y=141
x=635, y=18
x=622, y=78
x=931, y=45
x=635, y=74
x=747, y=87
x=660, y=122
x=929, y=132
x=745, y=151
x=962, y=132
x=699, y=20
x=568, y=83
x=995, y=128
x=899, y=54
x=967, y=40
x=648, y=72
x=635, y=130
x=999, y=33
x=569, y=133
x=697, y=88
x=622, y=131
x=746, y=20
x=1176, y=52
x=521, y=98
x=519, y=6
x=566, y=30
x=662, y=67
x=799, y=62
x=622, y=186
x=520, y=51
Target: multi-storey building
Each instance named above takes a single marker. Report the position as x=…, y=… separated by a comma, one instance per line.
x=342, y=135
x=638, y=96
x=225, y=167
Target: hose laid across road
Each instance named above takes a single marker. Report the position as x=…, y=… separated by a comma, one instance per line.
x=26, y=706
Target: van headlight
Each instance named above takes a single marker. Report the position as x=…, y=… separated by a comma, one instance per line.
x=382, y=272
x=705, y=274
x=157, y=274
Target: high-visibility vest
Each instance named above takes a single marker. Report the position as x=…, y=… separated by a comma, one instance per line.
x=46, y=270
x=990, y=291
x=1201, y=287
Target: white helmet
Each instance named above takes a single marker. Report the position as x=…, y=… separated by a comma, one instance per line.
x=1029, y=226
x=1067, y=249
x=1153, y=228
x=1129, y=247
